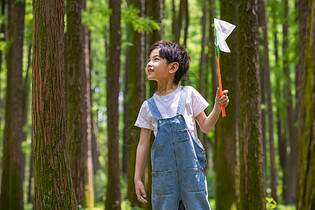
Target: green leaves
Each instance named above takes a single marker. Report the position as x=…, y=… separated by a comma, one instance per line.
x=131, y=15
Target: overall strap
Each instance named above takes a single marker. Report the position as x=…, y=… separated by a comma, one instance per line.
x=155, y=111
x=182, y=101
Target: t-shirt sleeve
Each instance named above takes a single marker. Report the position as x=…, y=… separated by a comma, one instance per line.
x=198, y=102
x=143, y=120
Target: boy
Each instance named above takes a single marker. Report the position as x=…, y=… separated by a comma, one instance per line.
x=178, y=157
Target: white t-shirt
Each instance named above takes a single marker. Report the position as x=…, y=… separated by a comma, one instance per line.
x=167, y=106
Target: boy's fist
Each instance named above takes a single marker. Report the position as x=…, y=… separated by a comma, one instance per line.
x=222, y=101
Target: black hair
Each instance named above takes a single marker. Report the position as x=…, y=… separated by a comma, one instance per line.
x=173, y=52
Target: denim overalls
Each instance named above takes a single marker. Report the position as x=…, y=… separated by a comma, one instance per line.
x=178, y=163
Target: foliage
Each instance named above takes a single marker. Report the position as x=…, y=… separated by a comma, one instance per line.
x=131, y=15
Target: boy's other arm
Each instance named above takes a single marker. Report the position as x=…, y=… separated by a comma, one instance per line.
x=141, y=156
x=207, y=123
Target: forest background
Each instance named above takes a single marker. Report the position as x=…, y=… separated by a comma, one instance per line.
x=76, y=69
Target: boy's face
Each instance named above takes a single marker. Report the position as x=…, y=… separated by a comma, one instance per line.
x=158, y=69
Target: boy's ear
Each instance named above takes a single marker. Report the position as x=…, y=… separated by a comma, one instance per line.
x=173, y=67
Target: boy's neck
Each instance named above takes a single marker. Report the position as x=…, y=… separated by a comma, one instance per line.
x=166, y=88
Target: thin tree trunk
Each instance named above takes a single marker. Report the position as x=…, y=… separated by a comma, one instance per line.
x=174, y=20
x=179, y=20
x=306, y=180
x=88, y=198
x=52, y=172
x=252, y=187
x=113, y=199
x=76, y=83
x=155, y=10
x=30, y=197
x=135, y=99
x=27, y=89
x=94, y=128
x=202, y=63
x=186, y=23
x=273, y=184
x=262, y=67
x=213, y=69
x=291, y=170
x=2, y=98
x=226, y=141
x=12, y=173
x=203, y=55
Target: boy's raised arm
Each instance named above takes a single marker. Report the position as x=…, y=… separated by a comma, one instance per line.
x=142, y=153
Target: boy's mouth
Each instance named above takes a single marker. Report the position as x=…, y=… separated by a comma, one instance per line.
x=150, y=71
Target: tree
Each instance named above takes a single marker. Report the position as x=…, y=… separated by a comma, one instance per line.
x=136, y=93
x=226, y=141
x=292, y=161
x=273, y=174
x=52, y=172
x=12, y=173
x=306, y=180
x=88, y=198
x=252, y=186
x=112, y=90
x=155, y=11
x=76, y=103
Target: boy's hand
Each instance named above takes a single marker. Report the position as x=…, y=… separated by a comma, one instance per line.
x=223, y=101
x=140, y=191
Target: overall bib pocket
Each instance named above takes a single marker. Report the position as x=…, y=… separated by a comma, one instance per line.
x=194, y=180
x=162, y=183
x=182, y=135
x=201, y=154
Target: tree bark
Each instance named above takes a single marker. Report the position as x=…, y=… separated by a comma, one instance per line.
x=226, y=141
x=273, y=174
x=155, y=10
x=12, y=173
x=252, y=187
x=88, y=198
x=214, y=77
x=52, y=172
x=292, y=161
x=186, y=23
x=113, y=200
x=135, y=97
x=306, y=180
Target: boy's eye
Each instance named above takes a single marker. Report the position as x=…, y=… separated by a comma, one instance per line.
x=156, y=59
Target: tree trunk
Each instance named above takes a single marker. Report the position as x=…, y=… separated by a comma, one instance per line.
x=174, y=21
x=292, y=161
x=203, y=76
x=76, y=104
x=2, y=98
x=179, y=20
x=226, y=141
x=88, y=198
x=52, y=172
x=155, y=10
x=252, y=187
x=135, y=98
x=306, y=180
x=202, y=82
x=273, y=174
x=12, y=173
x=186, y=23
x=213, y=67
x=94, y=128
x=262, y=87
x=27, y=89
x=113, y=199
